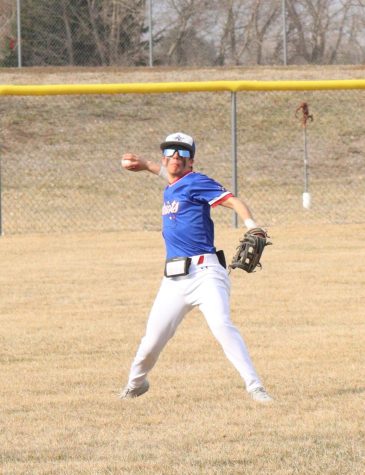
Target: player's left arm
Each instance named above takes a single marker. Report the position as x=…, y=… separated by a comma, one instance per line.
x=241, y=208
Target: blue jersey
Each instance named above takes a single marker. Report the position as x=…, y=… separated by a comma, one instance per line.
x=187, y=228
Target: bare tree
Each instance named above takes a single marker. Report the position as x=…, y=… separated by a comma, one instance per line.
x=187, y=29
x=186, y=32
x=228, y=37
x=264, y=15
x=185, y=11
x=181, y=32
x=117, y=28
x=68, y=33
x=84, y=32
x=318, y=29
x=7, y=23
x=248, y=30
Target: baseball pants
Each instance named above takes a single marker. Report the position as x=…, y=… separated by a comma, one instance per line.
x=207, y=286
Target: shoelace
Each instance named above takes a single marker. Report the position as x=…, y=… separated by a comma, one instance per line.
x=261, y=391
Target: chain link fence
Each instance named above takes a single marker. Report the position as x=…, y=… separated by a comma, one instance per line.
x=60, y=157
x=180, y=32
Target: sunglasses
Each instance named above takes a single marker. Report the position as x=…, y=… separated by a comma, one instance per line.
x=169, y=152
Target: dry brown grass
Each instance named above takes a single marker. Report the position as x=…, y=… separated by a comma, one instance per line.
x=61, y=155
x=72, y=311
x=51, y=75
x=73, y=307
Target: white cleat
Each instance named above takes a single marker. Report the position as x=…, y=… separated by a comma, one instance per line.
x=128, y=393
x=260, y=395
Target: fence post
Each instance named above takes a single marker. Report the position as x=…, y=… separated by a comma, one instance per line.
x=19, y=36
x=304, y=120
x=284, y=33
x=1, y=192
x=150, y=37
x=306, y=194
x=234, y=150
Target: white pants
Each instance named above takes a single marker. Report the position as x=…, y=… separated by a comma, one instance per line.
x=207, y=286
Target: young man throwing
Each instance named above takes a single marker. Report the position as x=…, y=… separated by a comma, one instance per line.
x=195, y=274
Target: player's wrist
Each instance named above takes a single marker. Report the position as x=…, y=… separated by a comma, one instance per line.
x=148, y=164
x=250, y=223
x=163, y=172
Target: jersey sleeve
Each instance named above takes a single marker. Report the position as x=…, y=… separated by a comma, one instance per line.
x=207, y=190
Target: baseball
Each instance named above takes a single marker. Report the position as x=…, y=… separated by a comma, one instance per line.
x=126, y=163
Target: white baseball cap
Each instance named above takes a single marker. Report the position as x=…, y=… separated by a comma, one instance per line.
x=179, y=139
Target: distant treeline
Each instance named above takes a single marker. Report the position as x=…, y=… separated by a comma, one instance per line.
x=184, y=32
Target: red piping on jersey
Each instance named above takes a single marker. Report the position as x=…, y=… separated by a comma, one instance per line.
x=222, y=199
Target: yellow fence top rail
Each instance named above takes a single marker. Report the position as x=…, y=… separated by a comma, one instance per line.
x=164, y=87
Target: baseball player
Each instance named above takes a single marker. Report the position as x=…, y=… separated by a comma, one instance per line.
x=195, y=272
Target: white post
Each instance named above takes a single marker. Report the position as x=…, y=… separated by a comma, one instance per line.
x=19, y=37
x=306, y=194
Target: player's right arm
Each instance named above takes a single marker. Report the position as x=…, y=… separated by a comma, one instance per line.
x=136, y=163
x=242, y=209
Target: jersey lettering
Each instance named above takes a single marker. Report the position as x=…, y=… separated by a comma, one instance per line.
x=188, y=229
x=170, y=208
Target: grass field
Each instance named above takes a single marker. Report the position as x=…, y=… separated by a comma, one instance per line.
x=73, y=308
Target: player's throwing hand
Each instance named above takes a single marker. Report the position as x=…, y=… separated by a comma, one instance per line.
x=133, y=162
x=136, y=163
